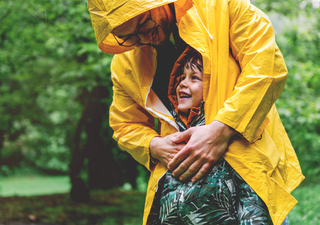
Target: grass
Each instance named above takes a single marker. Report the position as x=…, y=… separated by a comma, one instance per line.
x=112, y=207
x=307, y=210
x=42, y=199
x=106, y=207
x=34, y=185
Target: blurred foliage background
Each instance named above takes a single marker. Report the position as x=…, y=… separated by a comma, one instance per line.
x=55, y=91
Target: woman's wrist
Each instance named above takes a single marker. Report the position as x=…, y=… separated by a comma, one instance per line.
x=226, y=131
x=152, y=148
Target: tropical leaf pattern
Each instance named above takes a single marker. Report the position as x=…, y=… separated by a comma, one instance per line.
x=220, y=197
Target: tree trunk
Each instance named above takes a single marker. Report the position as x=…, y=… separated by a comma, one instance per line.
x=102, y=168
x=79, y=192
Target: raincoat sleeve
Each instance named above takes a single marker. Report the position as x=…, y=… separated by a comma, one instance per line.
x=133, y=126
x=263, y=71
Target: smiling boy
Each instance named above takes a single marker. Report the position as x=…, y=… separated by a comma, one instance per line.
x=221, y=196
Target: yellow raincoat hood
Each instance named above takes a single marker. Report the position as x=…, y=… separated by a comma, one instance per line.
x=106, y=15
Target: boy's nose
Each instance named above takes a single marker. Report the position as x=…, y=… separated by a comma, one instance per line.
x=183, y=83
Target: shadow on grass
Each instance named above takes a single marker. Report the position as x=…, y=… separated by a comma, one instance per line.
x=112, y=207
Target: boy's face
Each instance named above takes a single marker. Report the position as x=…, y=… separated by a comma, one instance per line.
x=189, y=91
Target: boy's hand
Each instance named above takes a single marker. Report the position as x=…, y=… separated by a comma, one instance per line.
x=205, y=147
x=163, y=149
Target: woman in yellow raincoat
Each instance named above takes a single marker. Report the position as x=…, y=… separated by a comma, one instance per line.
x=243, y=75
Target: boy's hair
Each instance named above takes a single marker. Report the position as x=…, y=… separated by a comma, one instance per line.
x=192, y=60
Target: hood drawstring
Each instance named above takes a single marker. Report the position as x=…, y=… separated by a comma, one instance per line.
x=210, y=36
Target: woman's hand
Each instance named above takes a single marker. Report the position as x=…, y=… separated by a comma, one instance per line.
x=205, y=145
x=163, y=149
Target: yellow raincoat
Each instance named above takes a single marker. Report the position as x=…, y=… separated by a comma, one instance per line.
x=244, y=74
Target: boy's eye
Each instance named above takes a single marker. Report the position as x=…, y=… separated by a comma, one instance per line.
x=195, y=78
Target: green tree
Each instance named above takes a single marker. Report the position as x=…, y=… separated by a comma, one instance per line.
x=55, y=90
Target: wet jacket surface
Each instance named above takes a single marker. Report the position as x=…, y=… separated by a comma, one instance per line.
x=243, y=75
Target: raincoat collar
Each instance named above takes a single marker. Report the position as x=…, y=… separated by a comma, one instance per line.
x=194, y=117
